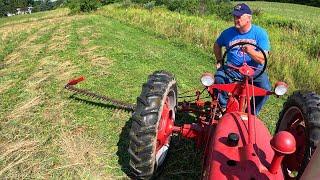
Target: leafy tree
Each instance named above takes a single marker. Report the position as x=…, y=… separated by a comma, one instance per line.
x=46, y=5
x=3, y=8
x=77, y=6
x=222, y=8
x=10, y=6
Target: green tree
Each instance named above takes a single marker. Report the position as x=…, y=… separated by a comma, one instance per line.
x=10, y=6
x=46, y=5
x=2, y=8
x=77, y=6
x=20, y=3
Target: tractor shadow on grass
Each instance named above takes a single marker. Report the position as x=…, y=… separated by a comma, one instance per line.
x=123, y=143
x=183, y=160
x=99, y=104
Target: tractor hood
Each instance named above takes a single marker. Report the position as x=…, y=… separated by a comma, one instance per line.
x=231, y=157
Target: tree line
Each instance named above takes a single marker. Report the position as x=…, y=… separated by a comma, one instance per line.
x=10, y=6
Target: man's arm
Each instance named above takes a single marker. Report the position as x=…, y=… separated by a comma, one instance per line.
x=217, y=50
x=263, y=42
x=255, y=55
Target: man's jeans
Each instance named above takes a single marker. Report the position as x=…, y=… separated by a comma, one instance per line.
x=262, y=81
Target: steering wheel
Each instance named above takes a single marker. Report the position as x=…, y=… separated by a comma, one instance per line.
x=241, y=44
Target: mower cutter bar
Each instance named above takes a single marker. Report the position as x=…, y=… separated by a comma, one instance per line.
x=73, y=82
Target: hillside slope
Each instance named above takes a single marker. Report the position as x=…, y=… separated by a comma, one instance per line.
x=46, y=132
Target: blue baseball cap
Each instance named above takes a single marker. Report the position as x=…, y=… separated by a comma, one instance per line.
x=241, y=9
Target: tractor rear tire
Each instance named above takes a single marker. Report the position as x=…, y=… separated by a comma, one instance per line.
x=301, y=117
x=152, y=120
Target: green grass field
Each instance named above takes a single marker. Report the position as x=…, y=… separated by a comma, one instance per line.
x=47, y=132
x=306, y=14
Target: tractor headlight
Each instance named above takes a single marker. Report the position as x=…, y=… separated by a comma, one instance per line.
x=280, y=88
x=207, y=79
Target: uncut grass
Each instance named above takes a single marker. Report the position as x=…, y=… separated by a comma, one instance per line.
x=302, y=13
x=295, y=51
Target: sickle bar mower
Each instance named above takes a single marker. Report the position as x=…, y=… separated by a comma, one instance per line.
x=71, y=87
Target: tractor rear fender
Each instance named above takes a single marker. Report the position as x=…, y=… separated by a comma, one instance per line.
x=312, y=169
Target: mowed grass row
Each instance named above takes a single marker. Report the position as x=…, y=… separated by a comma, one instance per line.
x=47, y=132
x=295, y=50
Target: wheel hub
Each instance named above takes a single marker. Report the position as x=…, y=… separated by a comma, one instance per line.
x=165, y=125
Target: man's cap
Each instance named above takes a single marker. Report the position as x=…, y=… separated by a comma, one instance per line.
x=241, y=9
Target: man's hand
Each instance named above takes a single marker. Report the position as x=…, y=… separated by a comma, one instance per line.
x=249, y=49
x=255, y=55
x=218, y=65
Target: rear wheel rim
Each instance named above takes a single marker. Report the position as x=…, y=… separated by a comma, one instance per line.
x=165, y=126
x=294, y=122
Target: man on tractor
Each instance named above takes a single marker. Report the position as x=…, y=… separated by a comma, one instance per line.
x=242, y=31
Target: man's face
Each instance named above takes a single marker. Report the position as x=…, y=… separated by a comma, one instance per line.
x=241, y=21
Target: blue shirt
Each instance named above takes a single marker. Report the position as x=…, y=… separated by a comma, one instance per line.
x=256, y=35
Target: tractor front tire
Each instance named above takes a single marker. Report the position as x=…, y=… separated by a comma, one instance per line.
x=152, y=123
x=301, y=117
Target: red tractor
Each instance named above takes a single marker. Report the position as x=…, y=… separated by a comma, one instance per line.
x=236, y=145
